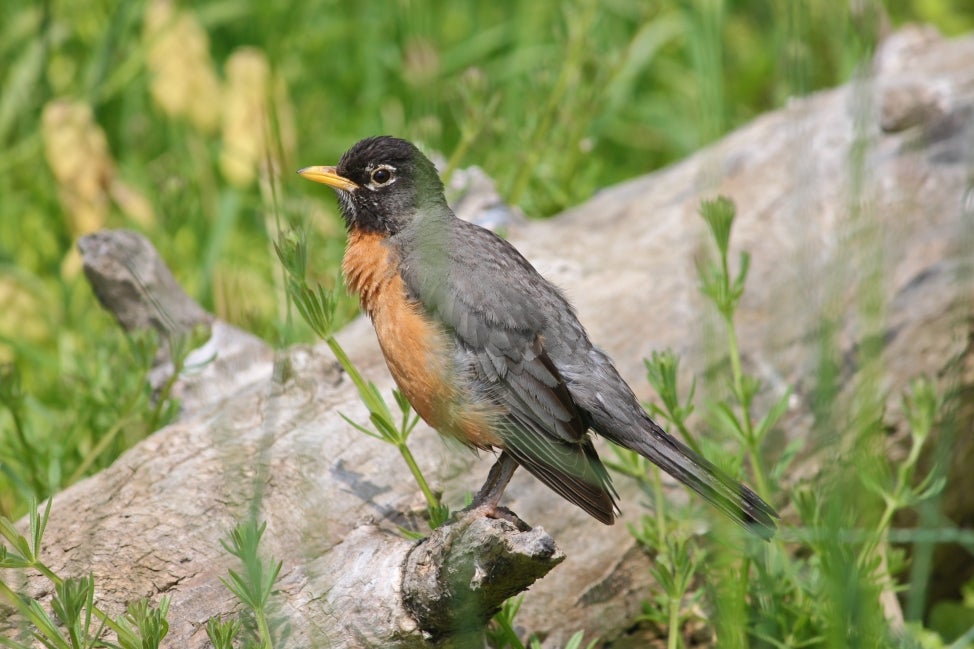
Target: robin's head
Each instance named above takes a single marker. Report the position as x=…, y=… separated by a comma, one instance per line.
x=383, y=184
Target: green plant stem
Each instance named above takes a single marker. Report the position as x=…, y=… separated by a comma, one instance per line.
x=47, y=572
x=378, y=405
x=673, y=628
x=891, y=501
x=7, y=593
x=753, y=444
x=353, y=373
x=263, y=629
x=407, y=455
x=688, y=438
x=890, y=506
x=511, y=635
x=660, y=506
x=103, y=443
x=165, y=394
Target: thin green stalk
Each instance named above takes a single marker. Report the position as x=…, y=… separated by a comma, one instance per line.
x=374, y=405
x=100, y=447
x=688, y=438
x=725, y=292
x=660, y=506
x=753, y=444
x=164, y=395
x=407, y=455
x=673, y=626
x=263, y=629
x=35, y=564
x=510, y=633
x=317, y=308
x=8, y=593
x=379, y=406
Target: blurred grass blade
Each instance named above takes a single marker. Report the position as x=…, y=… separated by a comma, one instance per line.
x=21, y=85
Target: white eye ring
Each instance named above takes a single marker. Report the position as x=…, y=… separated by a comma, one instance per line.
x=382, y=175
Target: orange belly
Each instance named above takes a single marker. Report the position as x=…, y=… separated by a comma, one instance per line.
x=418, y=351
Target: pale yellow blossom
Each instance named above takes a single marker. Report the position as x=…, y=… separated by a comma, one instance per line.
x=184, y=80
x=253, y=134
x=77, y=152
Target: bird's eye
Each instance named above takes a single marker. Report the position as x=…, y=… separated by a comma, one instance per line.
x=382, y=175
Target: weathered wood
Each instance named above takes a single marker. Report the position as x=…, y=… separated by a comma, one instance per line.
x=816, y=222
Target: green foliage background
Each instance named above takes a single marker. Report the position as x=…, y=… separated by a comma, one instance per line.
x=554, y=100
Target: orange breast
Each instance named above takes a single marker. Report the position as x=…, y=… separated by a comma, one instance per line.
x=418, y=351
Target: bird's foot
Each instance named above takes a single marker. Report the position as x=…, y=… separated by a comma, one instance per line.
x=493, y=510
x=486, y=502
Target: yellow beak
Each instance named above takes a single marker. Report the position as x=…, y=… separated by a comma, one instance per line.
x=328, y=176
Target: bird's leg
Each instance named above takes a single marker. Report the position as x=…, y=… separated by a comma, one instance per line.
x=488, y=498
x=500, y=474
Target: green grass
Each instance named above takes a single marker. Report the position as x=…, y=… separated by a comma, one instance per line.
x=553, y=100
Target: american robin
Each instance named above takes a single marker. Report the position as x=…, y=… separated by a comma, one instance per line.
x=487, y=350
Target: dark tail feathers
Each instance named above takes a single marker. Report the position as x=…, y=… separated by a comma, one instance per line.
x=728, y=495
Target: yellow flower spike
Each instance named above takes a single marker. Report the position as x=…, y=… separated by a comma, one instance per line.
x=77, y=152
x=245, y=116
x=184, y=81
x=250, y=137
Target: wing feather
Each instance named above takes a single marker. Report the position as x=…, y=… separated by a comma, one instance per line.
x=500, y=351
x=546, y=433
